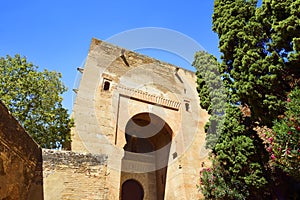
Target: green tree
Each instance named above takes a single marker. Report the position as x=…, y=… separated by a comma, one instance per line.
x=212, y=94
x=260, y=66
x=34, y=98
x=232, y=144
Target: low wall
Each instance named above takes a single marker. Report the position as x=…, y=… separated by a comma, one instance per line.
x=74, y=176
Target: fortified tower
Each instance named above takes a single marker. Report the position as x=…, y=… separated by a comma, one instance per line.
x=144, y=115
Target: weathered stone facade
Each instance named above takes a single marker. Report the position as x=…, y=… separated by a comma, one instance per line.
x=20, y=161
x=145, y=115
x=74, y=176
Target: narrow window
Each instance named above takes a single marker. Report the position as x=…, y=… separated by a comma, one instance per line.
x=187, y=107
x=106, y=85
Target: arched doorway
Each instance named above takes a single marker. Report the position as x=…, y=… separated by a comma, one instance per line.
x=132, y=190
x=147, y=148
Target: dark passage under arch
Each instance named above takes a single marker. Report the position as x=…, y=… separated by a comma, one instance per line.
x=148, y=141
x=132, y=190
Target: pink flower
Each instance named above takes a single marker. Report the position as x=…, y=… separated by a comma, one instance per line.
x=271, y=139
x=273, y=157
x=269, y=149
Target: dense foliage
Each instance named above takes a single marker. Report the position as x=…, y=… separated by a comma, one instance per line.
x=231, y=176
x=260, y=49
x=283, y=141
x=212, y=94
x=34, y=98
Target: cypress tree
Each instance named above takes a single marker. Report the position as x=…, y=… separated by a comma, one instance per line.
x=259, y=68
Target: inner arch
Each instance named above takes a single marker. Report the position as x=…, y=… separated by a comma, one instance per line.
x=148, y=140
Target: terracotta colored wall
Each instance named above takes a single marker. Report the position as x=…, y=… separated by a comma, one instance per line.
x=20, y=161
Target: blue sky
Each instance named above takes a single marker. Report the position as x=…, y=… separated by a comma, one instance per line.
x=56, y=34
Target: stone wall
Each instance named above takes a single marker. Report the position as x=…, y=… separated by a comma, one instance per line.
x=74, y=176
x=118, y=85
x=20, y=161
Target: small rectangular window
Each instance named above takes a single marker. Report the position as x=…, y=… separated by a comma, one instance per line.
x=187, y=105
x=106, y=84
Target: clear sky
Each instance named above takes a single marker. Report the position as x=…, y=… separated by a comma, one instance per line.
x=56, y=34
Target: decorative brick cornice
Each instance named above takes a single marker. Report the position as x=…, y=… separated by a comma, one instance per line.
x=147, y=97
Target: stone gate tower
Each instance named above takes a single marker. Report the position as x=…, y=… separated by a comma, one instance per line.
x=144, y=115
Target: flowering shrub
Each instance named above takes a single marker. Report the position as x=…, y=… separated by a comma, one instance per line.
x=284, y=139
x=213, y=185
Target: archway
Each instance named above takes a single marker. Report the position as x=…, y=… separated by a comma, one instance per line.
x=132, y=190
x=148, y=140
